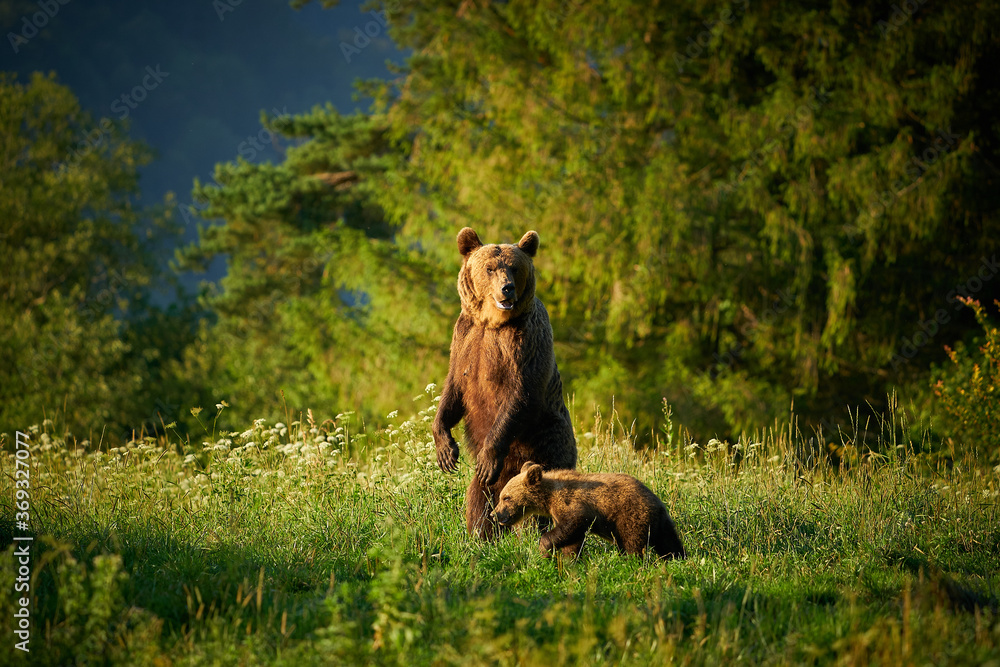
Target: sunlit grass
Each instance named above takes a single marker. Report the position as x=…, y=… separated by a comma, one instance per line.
x=318, y=543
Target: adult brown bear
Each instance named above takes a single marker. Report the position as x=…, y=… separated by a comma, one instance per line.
x=502, y=378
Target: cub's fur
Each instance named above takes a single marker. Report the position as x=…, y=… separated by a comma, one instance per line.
x=619, y=508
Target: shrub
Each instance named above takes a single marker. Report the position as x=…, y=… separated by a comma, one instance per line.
x=967, y=389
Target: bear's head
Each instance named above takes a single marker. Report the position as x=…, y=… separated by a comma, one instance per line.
x=497, y=281
x=522, y=496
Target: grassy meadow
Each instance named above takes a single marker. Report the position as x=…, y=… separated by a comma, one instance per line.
x=323, y=543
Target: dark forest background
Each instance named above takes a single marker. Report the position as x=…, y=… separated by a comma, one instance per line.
x=744, y=209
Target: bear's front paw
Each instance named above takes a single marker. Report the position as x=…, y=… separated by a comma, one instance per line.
x=447, y=454
x=487, y=469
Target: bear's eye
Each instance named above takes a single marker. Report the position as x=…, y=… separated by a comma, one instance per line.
x=489, y=272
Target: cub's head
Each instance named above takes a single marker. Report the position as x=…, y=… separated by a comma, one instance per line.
x=522, y=496
x=497, y=282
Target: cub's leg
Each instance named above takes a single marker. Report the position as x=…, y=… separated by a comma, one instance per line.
x=666, y=542
x=567, y=536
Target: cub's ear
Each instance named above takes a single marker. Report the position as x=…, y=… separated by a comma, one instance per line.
x=534, y=475
x=527, y=464
x=468, y=240
x=529, y=243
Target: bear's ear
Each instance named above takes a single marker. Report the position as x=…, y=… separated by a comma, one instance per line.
x=529, y=243
x=527, y=464
x=534, y=475
x=468, y=240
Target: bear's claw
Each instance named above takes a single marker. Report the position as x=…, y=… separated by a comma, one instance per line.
x=447, y=456
x=487, y=470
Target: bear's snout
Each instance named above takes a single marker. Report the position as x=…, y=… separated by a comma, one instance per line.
x=505, y=293
x=503, y=286
x=502, y=516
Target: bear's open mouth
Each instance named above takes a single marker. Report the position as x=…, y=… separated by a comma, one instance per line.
x=506, y=304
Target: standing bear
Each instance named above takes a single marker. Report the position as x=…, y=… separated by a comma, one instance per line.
x=502, y=377
x=617, y=507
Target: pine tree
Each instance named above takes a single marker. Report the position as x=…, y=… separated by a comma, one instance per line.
x=739, y=206
x=319, y=307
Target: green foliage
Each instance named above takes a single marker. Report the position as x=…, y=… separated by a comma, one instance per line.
x=318, y=301
x=969, y=388
x=311, y=543
x=739, y=207
x=77, y=264
x=689, y=166
x=87, y=620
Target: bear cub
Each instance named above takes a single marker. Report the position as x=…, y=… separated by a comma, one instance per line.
x=618, y=508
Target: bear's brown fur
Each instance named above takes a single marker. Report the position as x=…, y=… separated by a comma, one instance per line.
x=502, y=378
x=619, y=508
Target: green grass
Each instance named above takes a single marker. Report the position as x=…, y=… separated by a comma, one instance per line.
x=316, y=544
